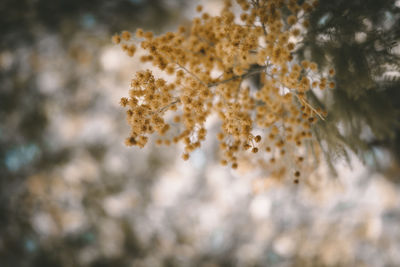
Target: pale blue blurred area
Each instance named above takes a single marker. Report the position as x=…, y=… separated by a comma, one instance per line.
x=88, y=21
x=21, y=156
x=30, y=245
x=137, y=2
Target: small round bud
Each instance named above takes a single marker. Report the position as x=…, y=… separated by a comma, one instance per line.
x=116, y=39
x=185, y=156
x=126, y=35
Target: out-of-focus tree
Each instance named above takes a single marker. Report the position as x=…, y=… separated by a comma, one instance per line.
x=361, y=40
x=49, y=61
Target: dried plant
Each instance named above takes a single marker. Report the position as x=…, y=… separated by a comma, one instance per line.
x=242, y=68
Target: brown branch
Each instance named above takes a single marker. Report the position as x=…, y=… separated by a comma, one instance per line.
x=257, y=5
x=166, y=106
x=191, y=73
x=243, y=76
x=302, y=100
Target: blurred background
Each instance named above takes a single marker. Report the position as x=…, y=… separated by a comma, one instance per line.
x=71, y=193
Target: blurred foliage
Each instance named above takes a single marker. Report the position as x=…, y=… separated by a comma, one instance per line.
x=361, y=40
x=68, y=36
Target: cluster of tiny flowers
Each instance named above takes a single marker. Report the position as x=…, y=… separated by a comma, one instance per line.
x=211, y=64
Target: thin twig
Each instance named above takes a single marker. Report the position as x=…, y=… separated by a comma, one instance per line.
x=302, y=100
x=243, y=76
x=166, y=107
x=257, y=5
x=238, y=90
x=191, y=73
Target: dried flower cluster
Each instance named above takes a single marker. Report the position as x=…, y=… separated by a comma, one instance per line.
x=212, y=64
